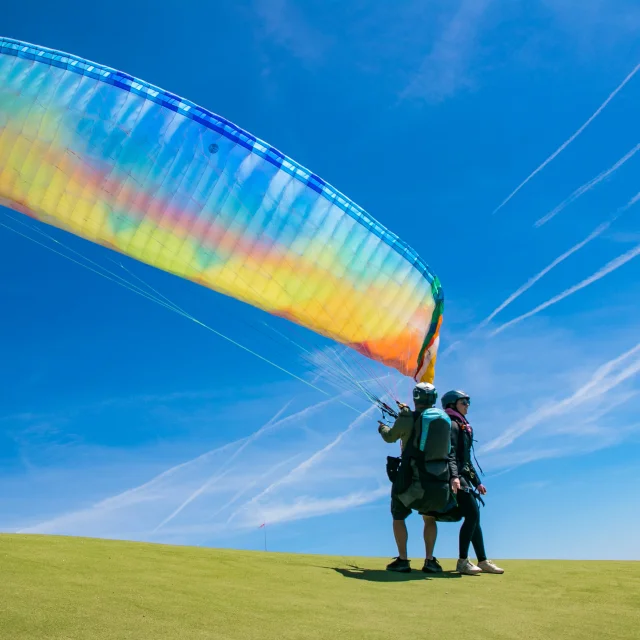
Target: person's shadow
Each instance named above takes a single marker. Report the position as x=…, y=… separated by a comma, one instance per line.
x=381, y=575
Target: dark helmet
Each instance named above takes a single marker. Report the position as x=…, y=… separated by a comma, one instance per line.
x=425, y=394
x=451, y=397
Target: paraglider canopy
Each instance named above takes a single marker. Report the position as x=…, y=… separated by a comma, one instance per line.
x=124, y=164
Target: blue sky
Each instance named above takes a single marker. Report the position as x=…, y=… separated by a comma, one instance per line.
x=120, y=419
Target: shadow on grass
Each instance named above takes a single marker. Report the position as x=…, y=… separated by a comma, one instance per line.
x=381, y=575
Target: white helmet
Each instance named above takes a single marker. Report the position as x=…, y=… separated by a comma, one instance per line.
x=425, y=394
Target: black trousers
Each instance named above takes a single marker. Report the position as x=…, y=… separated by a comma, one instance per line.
x=471, y=531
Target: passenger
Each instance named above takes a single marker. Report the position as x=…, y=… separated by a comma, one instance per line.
x=456, y=404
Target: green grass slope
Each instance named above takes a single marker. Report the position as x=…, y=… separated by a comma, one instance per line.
x=57, y=587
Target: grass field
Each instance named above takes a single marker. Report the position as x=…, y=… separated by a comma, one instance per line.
x=57, y=587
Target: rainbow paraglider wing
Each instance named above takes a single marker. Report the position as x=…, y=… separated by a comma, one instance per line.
x=124, y=164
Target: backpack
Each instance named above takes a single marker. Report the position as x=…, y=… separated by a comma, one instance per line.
x=431, y=437
x=422, y=481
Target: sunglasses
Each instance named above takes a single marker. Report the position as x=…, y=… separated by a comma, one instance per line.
x=466, y=402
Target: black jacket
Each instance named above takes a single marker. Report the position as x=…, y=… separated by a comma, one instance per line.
x=461, y=444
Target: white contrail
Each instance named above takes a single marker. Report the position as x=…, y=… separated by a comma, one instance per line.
x=224, y=468
x=128, y=497
x=565, y=144
x=601, y=383
x=616, y=263
x=313, y=507
x=587, y=187
x=303, y=466
x=631, y=202
x=250, y=485
x=576, y=247
x=529, y=283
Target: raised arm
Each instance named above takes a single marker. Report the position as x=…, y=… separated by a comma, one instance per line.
x=401, y=429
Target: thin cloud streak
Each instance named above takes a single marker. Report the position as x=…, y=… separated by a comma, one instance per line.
x=284, y=24
x=302, y=467
x=139, y=509
x=602, y=382
x=529, y=283
x=598, y=231
x=222, y=470
x=610, y=267
x=252, y=483
x=309, y=507
x=130, y=496
x=565, y=144
x=567, y=254
x=445, y=70
x=633, y=200
x=271, y=424
x=587, y=187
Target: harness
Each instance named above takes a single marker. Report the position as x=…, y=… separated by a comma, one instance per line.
x=422, y=473
x=462, y=454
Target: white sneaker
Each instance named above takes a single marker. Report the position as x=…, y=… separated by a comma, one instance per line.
x=486, y=566
x=467, y=567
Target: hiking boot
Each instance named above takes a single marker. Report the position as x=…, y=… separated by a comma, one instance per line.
x=431, y=565
x=399, y=565
x=486, y=566
x=467, y=568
